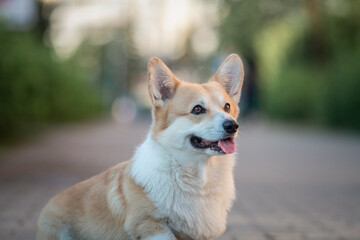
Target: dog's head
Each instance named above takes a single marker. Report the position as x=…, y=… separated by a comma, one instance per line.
x=196, y=117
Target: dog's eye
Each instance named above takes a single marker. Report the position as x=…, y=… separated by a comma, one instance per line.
x=227, y=107
x=198, y=110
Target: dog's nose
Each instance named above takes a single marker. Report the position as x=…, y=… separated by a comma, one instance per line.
x=230, y=126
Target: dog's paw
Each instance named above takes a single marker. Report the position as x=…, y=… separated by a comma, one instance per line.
x=162, y=236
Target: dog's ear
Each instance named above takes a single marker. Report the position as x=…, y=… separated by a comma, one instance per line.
x=161, y=82
x=231, y=75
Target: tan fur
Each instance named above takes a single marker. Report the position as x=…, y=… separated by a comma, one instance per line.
x=84, y=207
x=112, y=205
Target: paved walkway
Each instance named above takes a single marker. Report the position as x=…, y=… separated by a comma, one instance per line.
x=292, y=183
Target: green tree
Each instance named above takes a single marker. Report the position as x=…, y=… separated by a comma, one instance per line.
x=34, y=88
x=308, y=64
x=244, y=19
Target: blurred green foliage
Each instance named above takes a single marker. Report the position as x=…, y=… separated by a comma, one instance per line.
x=307, y=59
x=243, y=19
x=34, y=88
x=312, y=77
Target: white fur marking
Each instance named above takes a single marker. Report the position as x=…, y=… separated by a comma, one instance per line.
x=163, y=236
x=175, y=181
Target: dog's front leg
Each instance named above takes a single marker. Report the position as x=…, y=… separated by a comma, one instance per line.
x=149, y=228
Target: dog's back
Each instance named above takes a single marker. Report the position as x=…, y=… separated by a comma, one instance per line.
x=95, y=208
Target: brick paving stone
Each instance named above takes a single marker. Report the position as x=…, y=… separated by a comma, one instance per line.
x=292, y=183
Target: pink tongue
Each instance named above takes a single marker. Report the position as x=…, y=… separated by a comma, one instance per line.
x=227, y=145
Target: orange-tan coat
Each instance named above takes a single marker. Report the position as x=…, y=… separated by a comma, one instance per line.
x=178, y=185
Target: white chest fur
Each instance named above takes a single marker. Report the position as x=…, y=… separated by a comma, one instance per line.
x=194, y=197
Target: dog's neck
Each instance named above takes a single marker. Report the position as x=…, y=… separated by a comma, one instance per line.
x=180, y=189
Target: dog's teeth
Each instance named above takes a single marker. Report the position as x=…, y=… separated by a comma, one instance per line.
x=213, y=145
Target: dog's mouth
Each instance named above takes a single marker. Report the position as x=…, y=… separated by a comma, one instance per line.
x=226, y=145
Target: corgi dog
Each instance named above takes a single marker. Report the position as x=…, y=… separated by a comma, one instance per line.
x=179, y=183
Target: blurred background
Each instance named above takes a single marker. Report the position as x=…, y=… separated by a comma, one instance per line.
x=71, y=60
x=73, y=85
